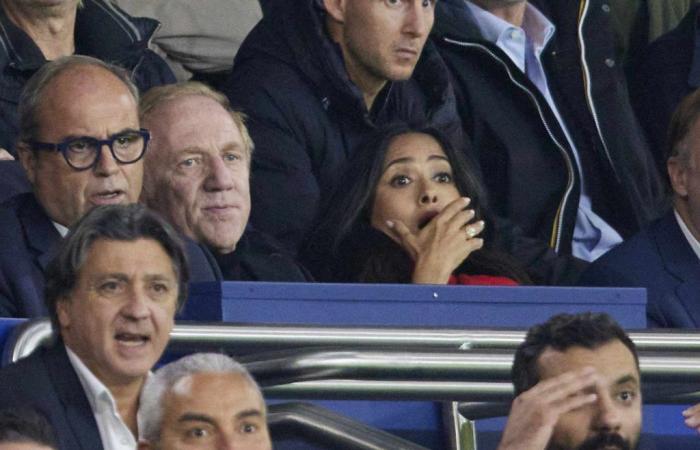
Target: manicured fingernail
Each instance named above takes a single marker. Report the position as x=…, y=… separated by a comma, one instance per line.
x=467, y=200
x=390, y=224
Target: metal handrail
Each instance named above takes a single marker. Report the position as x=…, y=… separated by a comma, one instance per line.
x=331, y=428
x=405, y=374
x=29, y=335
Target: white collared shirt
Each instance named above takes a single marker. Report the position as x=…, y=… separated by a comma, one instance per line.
x=63, y=231
x=593, y=236
x=114, y=433
x=692, y=240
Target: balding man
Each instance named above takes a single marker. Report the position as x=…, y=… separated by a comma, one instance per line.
x=81, y=146
x=204, y=401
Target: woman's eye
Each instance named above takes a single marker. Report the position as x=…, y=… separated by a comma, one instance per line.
x=400, y=181
x=443, y=177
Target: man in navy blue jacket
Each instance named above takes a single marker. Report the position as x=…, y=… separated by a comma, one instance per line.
x=665, y=257
x=112, y=292
x=81, y=146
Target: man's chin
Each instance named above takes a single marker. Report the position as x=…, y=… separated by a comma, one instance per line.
x=598, y=442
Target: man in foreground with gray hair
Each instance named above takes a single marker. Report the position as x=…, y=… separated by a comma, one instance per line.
x=202, y=401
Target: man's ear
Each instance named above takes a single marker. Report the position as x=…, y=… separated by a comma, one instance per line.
x=677, y=173
x=28, y=159
x=62, y=312
x=336, y=9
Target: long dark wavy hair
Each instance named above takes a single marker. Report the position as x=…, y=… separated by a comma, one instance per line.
x=345, y=246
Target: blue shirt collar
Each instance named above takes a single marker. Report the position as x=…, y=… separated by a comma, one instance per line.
x=537, y=27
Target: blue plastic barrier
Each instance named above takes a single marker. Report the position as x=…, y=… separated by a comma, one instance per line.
x=405, y=305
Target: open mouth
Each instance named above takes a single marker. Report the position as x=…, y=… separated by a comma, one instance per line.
x=132, y=339
x=107, y=197
x=426, y=218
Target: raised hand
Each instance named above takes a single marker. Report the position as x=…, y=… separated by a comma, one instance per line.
x=440, y=247
x=692, y=417
x=535, y=412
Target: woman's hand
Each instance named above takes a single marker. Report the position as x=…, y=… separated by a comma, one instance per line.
x=441, y=246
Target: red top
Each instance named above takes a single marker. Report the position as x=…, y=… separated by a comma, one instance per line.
x=481, y=280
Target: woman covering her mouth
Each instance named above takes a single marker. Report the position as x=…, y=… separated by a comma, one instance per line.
x=408, y=210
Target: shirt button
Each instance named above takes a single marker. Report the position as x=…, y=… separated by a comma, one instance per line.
x=605, y=7
x=515, y=35
x=610, y=62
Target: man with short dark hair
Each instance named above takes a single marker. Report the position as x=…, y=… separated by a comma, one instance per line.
x=25, y=429
x=664, y=258
x=578, y=387
x=112, y=294
x=315, y=78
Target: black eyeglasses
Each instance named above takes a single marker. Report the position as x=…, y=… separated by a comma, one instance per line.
x=84, y=152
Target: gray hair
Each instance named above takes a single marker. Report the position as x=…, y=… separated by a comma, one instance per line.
x=113, y=222
x=32, y=96
x=150, y=415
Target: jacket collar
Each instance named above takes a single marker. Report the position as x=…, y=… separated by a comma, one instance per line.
x=72, y=398
x=40, y=234
x=677, y=255
x=102, y=30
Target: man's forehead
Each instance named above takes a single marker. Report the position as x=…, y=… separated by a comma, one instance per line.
x=610, y=359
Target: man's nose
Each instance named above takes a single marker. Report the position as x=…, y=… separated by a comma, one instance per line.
x=609, y=416
x=419, y=19
x=106, y=165
x=219, y=177
x=136, y=305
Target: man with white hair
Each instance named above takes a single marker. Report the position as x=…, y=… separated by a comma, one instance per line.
x=204, y=401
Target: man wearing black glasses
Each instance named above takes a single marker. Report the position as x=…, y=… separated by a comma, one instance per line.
x=81, y=146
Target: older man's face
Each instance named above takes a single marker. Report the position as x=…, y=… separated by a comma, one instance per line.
x=83, y=101
x=197, y=171
x=214, y=411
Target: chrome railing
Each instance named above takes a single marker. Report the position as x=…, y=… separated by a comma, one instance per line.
x=435, y=364
x=31, y=334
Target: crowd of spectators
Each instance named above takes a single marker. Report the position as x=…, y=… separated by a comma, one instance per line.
x=481, y=142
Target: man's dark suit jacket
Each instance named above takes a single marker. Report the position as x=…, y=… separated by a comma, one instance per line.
x=46, y=382
x=28, y=240
x=661, y=260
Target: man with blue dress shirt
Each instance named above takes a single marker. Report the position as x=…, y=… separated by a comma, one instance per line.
x=540, y=95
